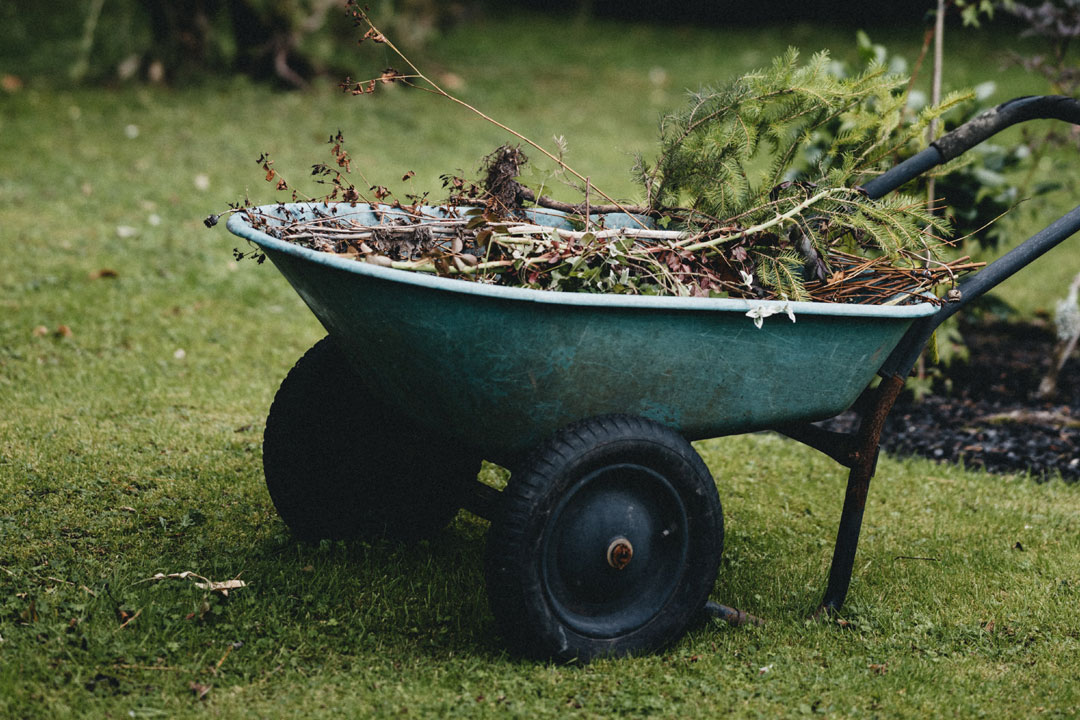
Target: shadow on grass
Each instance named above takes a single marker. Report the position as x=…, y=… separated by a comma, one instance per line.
x=430, y=598
x=426, y=596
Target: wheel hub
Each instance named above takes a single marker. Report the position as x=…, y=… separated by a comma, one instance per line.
x=613, y=551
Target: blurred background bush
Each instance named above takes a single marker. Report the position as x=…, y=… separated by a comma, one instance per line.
x=291, y=41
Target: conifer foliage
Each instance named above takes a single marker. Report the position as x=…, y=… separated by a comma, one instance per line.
x=736, y=154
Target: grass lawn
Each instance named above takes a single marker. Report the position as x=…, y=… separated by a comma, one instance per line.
x=138, y=361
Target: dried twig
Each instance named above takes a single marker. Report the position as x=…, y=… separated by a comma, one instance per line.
x=377, y=35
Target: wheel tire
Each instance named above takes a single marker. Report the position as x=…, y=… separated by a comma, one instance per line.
x=609, y=491
x=339, y=465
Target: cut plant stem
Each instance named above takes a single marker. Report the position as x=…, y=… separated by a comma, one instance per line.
x=768, y=224
x=598, y=234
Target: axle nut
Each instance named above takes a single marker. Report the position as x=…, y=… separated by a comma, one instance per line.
x=619, y=553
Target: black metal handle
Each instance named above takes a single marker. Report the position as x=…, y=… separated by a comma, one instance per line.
x=947, y=147
x=982, y=126
x=994, y=120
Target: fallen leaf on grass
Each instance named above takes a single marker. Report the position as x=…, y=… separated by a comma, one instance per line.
x=104, y=273
x=199, y=689
x=62, y=331
x=222, y=587
x=879, y=669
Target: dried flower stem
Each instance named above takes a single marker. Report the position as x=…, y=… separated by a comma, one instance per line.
x=439, y=91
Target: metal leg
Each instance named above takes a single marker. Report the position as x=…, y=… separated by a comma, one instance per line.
x=863, y=464
x=732, y=616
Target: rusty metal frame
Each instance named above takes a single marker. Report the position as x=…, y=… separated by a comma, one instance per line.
x=858, y=452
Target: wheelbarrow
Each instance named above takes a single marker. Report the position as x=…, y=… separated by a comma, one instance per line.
x=607, y=538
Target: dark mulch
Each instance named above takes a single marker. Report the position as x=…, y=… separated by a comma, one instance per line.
x=985, y=413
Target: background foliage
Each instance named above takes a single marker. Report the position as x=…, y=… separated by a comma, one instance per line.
x=176, y=40
x=137, y=363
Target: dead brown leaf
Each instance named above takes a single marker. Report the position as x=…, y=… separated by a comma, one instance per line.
x=373, y=35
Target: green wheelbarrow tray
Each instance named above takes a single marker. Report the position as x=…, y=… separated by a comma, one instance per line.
x=607, y=537
x=503, y=367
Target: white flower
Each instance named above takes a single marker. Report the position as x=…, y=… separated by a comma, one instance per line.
x=759, y=313
x=787, y=308
x=747, y=278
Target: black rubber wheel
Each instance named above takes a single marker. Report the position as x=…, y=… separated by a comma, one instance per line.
x=607, y=542
x=339, y=465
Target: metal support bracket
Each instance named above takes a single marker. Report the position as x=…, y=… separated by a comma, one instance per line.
x=866, y=441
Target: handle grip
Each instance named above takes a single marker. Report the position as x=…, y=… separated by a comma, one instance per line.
x=958, y=141
x=982, y=126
